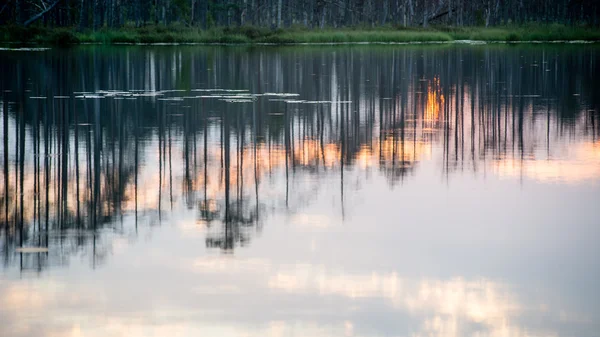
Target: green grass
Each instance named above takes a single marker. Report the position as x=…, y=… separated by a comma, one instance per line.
x=532, y=32
x=355, y=36
x=248, y=34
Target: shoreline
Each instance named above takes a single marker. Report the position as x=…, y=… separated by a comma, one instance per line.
x=159, y=35
x=33, y=46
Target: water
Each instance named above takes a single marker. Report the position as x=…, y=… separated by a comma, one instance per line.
x=375, y=191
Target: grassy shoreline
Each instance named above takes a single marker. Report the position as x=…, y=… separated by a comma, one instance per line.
x=255, y=35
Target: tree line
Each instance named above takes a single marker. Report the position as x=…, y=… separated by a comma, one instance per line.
x=97, y=14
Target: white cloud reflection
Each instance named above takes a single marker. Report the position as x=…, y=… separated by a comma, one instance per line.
x=228, y=296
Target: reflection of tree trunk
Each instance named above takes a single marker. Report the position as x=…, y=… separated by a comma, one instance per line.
x=21, y=168
x=6, y=174
x=342, y=154
x=161, y=132
x=136, y=164
x=472, y=94
x=240, y=165
x=88, y=145
x=96, y=204
x=36, y=165
x=205, y=154
x=78, y=215
x=186, y=158
x=228, y=243
x=222, y=140
x=16, y=170
x=121, y=174
x=255, y=141
x=47, y=168
x=287, y=155
x=170, y=167
x=227, y=162
x=65, y=163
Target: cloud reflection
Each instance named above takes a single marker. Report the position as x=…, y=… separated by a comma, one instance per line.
x=452, y=307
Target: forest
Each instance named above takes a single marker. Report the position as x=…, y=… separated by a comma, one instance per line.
x=278, y=14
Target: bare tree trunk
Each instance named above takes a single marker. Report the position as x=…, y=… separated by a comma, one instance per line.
x=108, y=13
x=384, y=12
x=83, y=15
x=97, y=15
x=279, y=5
x=118, y=13
x=19, y=11
x=488, y=12
x=156, y=12
x=404, y=15
x=192, y=9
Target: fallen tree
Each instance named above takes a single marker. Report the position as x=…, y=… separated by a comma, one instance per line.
x=437, y=16
x=39, y=15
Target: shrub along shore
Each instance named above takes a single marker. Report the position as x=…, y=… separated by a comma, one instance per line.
x=255, y=35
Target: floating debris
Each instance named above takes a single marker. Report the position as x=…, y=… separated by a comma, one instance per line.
x=524, y=96
x=31, y=250
x=48, y=155
x=38, y=97
x=113, y=93
x=210, y=96
x=280, y=94
x=147, y=94
x=239, y=97
x=293, y=101
x=229, y=100
x=89, y=96
x=171, y=99
x=328, y=102
x=62, y=97
x=24, y=49
x=221, y=90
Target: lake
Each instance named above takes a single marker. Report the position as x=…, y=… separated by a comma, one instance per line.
x=434, y=190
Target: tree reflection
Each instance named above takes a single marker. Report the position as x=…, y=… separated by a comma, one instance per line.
x=75, y=166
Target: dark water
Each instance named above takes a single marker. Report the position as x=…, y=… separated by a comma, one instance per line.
x=376, y=191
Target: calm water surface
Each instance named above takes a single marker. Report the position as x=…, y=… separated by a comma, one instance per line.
x=300, y=191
